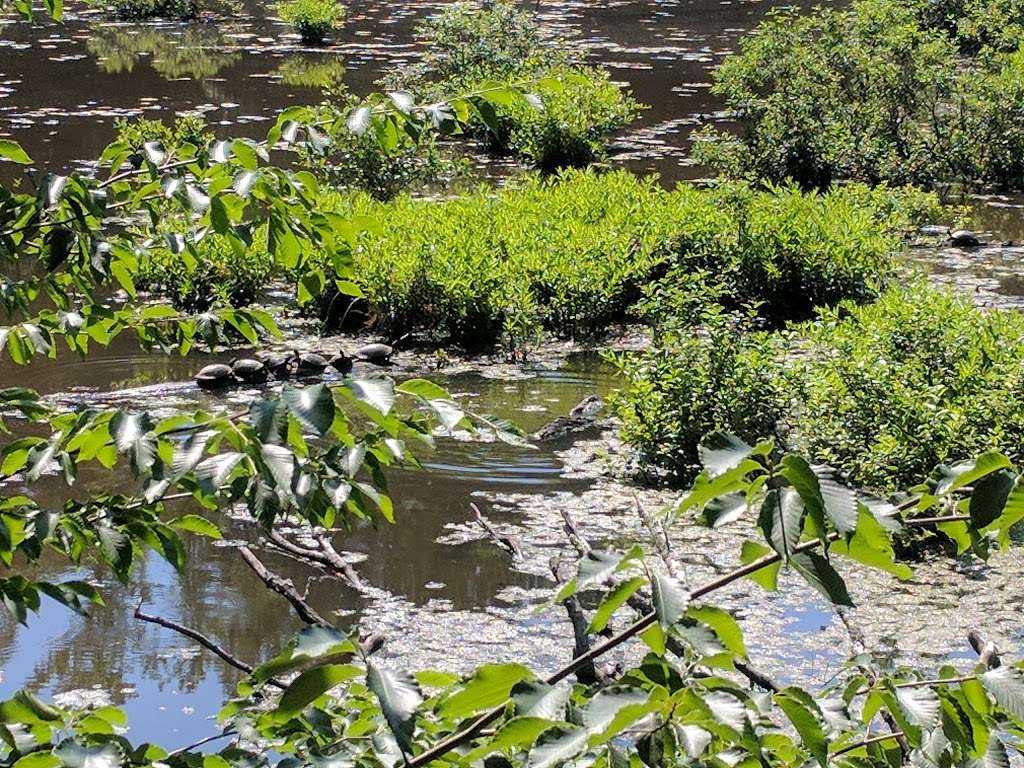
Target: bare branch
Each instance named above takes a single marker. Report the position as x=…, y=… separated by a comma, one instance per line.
x=508, y=543
x=283, y=587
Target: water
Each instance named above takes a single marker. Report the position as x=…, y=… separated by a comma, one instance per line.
x=441, y=594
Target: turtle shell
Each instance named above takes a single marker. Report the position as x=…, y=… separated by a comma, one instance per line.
x=311, y=362
x=374, y=353
x=248, y=369
x=215, y=375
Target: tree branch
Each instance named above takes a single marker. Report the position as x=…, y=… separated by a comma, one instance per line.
x=283, y=587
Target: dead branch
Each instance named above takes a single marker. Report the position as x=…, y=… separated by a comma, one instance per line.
x=508, y=543
x=589, y=673
x=325, y=556
x=200, y=638
x=283, y=587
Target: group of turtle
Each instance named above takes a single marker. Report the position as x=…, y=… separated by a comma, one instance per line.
x=285, y=365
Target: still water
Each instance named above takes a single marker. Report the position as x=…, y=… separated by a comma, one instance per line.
x=440, y=593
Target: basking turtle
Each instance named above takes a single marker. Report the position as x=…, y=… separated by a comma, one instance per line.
x=276, y=362
x=310, y=362
x=378, y=354
x=342, y=363
x=247, y=369
x=964, y=238
x=215, y=376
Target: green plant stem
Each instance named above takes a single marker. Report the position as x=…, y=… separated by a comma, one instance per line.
x=872, y=740
x=645, y=621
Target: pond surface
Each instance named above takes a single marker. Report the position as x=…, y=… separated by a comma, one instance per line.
x=441, y=594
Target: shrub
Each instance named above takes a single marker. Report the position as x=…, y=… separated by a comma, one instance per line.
x=186, y=129
x=874, y=93
x=182, y=10
x=213, y=272
x=309, y=72
x=575, y=109
x=312, y=19
x=882, y=392
x=573, y=254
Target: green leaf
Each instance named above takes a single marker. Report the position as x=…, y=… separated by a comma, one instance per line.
x=399, y=696
x=820, y=574
x=988, y=499
x=313, y=406
x=557, y=745
x=670, y=599
x=768, y=575
x=781, y=519
x=613, y=601
x=956, y=477
x=1006, y=684
x=38, y=760
x=75, y=755
x=722, y=624
x=489, y=686
x=870, y=545
x=613, y=709
x=11, y=150
x=535, y=698
x=720, y=451
x=517, y=734
x=310, y=685
x=196, y=524
x=378, y=393
x=921, y=705
x=804, y=714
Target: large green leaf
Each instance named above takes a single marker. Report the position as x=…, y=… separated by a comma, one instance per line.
x=613, y=601
x=313, y=406
x=399, y=696
x=489, y=686
x=1006, y=684
x=722, y=624
x=670, y=599
x=76, y=755
x=805, y=716
x=989, y=496
x=535, y=698
x=557, y=745
x=819, y=573
x=11, y=150
x=969, y=472
x=781, y=519
x=921, y=705
x=310, y=685
x=721, y=451
x=871, y=545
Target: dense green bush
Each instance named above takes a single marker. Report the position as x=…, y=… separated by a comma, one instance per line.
x=882, y=392
x=874, y=93
x=182, y=10
x=186, y=129
x=211, y=273
x=574, y=253
x=576, y=108
x=312, y=19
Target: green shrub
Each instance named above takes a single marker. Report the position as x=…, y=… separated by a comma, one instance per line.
x=186, y=129
x=181, y=10
x=882, y=392
x=572, y=254
x=213, y=272
x=575, y=107
x=874, y=93
x=312, y=19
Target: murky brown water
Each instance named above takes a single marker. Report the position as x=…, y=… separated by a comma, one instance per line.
x=441, y=594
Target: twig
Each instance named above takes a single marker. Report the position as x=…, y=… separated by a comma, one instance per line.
x=508, y=543
x=588, y=674
x=200, y=638
x=283, y=587
x=325, y=556
x=207, y=740
x=987, y=652
x=872, y=740
x=474, y=728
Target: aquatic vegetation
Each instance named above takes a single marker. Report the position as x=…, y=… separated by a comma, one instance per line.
x=195, y=53
x=882, y=392
x=312, y=19
x=212, y=272
x=181, y=10
x=576, y=107
x=872, y=93
x=313, y=71
x=573, y=254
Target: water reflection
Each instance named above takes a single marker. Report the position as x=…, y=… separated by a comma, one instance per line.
x=193, y=52
x=313, y=71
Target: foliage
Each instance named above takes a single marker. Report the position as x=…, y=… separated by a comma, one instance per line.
x=180, y=10
x=870, y=93
x=217, y=271
x=572, y=254
x=574, y=110
x=881, y=392
x=196, y=53
x=185, y=130
x=312, y=19
x=320, y=700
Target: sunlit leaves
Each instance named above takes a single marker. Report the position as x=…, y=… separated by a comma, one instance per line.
x=489, y=686
x=1006, y=685
x=399, y=696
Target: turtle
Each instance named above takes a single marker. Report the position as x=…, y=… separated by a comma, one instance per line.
x=374, y=353
x=964, y=238
x=247, y=369
x=342, y=363
x=276, y=362
x=215, y=376
x=311, y=362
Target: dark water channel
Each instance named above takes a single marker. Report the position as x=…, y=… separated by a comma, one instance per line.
x=439, y=592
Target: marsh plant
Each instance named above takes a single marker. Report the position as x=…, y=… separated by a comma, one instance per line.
x=906, y=93
x=573, y=111
x=312, y=19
